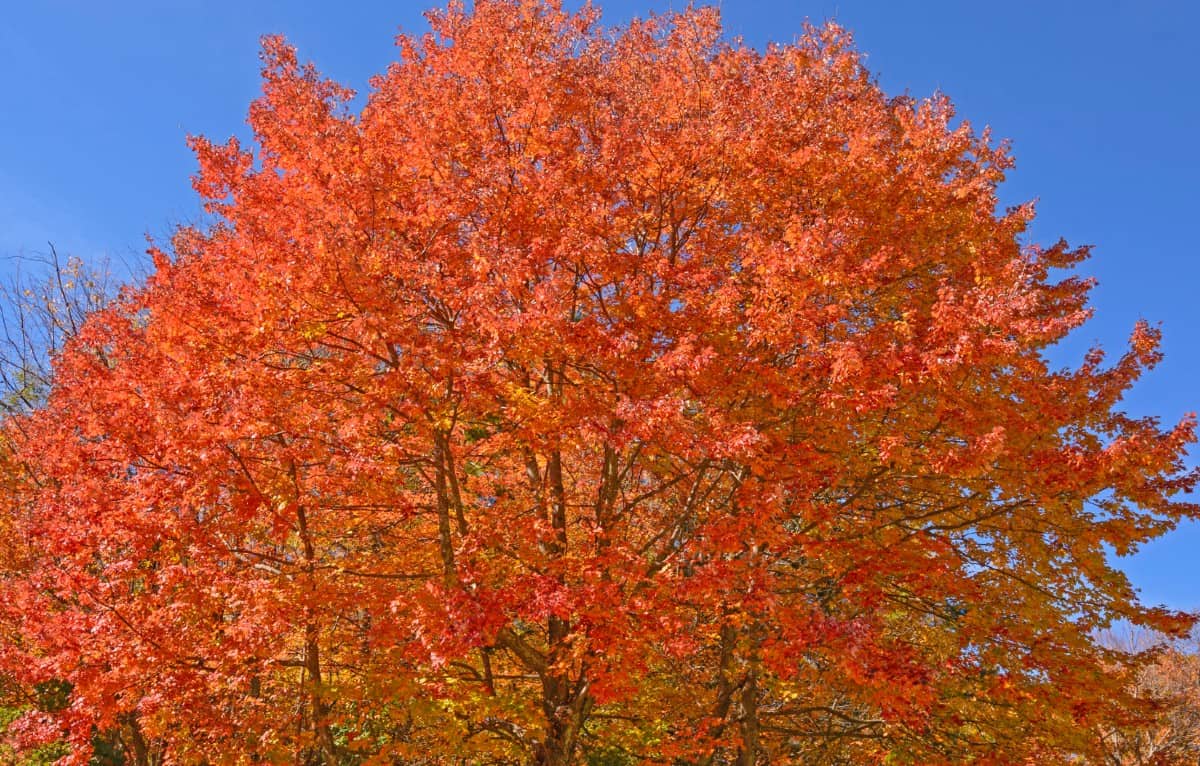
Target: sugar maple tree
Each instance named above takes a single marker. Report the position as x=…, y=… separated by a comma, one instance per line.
x=590, y=396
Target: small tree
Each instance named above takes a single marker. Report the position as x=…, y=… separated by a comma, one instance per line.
x=1168, y=682
x=42, y=306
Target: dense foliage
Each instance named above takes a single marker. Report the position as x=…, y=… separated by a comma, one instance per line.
x=590, y=396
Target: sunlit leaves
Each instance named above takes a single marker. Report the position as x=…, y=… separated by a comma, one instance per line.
x=621, y=396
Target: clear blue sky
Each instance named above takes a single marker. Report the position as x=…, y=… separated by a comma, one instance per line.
x=1101, y=100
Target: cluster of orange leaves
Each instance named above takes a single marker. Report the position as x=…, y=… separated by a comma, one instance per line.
x=589, y=396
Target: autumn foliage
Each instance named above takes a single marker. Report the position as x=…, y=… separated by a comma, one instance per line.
x=589, y=396
x=1167, y=677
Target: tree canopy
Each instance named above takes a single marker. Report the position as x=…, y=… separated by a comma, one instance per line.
x=589, y=396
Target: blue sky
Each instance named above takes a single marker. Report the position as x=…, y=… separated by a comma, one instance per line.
x=1101, y=101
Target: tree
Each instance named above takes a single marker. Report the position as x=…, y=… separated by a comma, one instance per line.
x=592, y=396
x=41, y=310
x=1168, y=681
